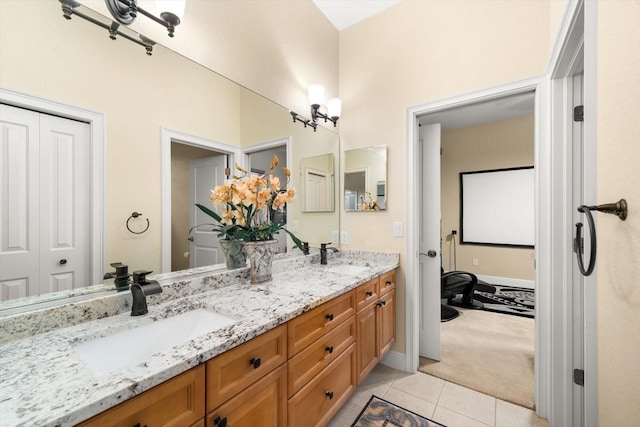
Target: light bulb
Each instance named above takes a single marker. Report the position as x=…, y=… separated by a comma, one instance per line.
x=316, y=95
x=334, y=107
x=175, y=7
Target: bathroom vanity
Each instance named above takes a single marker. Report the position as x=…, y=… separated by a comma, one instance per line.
x=293, y=352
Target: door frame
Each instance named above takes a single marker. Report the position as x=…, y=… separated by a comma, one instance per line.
x=97, y=150
x=167, y=137
x=539, y=86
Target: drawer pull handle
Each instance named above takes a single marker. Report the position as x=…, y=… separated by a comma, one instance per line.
x=329, y=349
x=389, y=283
x=369, y=293
x=381, y=303
x=138, y=425
x=220, y=422
x=329, y=394
x=255, y=362
x=329, y=317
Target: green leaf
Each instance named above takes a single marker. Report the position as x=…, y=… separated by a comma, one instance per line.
x=209, y=212
x=297, y=241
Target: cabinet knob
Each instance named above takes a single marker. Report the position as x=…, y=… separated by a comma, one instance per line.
x=220, y=422
x=381, y=303
x=329, y=349
x=389, y=283
x=138, y=425
x=329, y=317
x=329, y=394
x=255, y=362
x=369, y=293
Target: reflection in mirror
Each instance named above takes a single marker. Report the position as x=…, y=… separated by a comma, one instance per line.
x=163, y=91
x=317, y=179
x=365, y=179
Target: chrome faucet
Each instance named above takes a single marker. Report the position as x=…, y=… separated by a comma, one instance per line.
x=140, y=288
x=323, y=252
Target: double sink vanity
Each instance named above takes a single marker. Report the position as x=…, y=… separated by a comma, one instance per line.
x=213, y=349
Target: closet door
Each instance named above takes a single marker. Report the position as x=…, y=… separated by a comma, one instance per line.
x=45, y=190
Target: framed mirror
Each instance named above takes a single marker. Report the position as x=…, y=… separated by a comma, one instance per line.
x=165, y=91
x=318, y=182
x=365, y=179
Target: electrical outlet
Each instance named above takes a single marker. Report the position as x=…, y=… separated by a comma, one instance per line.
x=344, y=237
x=397, y=229
x=294, y=226
x=335, y=237
x=474, y=261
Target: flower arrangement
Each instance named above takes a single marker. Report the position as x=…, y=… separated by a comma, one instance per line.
x=249, y=205
x=368, y=204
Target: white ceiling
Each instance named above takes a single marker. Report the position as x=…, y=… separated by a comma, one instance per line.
x=483, y=112
x=344, y=13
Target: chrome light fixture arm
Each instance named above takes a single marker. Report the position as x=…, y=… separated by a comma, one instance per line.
x=126, y=11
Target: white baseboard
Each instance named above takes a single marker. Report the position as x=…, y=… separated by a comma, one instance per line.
x=507, y=281
x=396, y=360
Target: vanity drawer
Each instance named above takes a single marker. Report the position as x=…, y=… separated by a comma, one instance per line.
x=366, y=294
x=387, y=282
x=233, y=371
x=308, y=327
x=177, y=402
x=320, y=399
x=306, y=364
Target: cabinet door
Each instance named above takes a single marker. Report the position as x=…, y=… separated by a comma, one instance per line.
x=263, y=404
x=366, y=294
x=386, y=322
x=320, y=399
x=177, y=402
x=233, y=371
x=367, y=341
x=387, y=282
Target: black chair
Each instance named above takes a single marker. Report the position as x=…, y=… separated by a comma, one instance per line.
x=452, y=284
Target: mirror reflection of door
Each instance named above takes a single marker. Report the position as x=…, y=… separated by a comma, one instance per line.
x=317, y=190
x=354, y=189
x=195, y=171
x=45, y=201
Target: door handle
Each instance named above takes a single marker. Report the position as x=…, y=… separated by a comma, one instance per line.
x=430, y=253
x=62, y=261
x=190, y=239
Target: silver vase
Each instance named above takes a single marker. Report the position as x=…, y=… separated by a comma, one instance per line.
x=260, y=256
x=234, y=253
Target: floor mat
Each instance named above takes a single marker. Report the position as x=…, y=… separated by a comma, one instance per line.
x=381, y=413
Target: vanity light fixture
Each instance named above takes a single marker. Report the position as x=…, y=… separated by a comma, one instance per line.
x=316, y=98
x=125, y=12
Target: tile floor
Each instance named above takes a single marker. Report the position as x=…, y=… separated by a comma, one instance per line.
x=436, y=399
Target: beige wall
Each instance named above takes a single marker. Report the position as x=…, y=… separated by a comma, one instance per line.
x=618, y=268
x=497, y=145
x=416, y=52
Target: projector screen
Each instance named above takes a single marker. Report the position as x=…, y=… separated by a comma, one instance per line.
x=497, y=207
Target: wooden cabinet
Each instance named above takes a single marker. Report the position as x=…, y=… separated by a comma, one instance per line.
x=235, y=370
x=177, y=402
x=261, y=404
x=376, y=325
x=308, y=327
x=320, y=399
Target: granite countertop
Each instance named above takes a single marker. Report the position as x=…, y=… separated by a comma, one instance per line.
x=44, y=382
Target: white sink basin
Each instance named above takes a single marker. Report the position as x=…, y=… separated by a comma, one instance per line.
x=134, y=346
x=350, y=270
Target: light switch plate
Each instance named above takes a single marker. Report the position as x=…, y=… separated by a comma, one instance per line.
x=335, y=237
x=344, y=237
x=397, y=229
x=294, y=226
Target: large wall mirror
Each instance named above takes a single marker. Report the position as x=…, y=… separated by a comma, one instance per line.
x=141, y=97
x=365, y=179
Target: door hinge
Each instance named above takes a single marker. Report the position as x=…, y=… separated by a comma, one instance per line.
x=578, y=377
x=578, y=113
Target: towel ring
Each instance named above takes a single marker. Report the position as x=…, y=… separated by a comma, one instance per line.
x=136, y=215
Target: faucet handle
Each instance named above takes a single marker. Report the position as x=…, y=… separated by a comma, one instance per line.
x=140, y=276
x=324, y=245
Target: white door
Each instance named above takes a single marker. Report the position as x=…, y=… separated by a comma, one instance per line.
x=45, y=185
x=317, y=190
x=579, y=198
x=429, y=249
x=205, y=174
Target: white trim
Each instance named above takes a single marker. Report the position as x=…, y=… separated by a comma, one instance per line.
x=542, y=342
x=508, y=281
x=98, y=134
x=167, y=137
x=395, y=359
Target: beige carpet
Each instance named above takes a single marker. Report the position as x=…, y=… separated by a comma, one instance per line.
x=488, y=352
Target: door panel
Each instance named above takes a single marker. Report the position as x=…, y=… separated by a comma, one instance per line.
x=205, y=174
x=19, y=177
x=429, y=268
